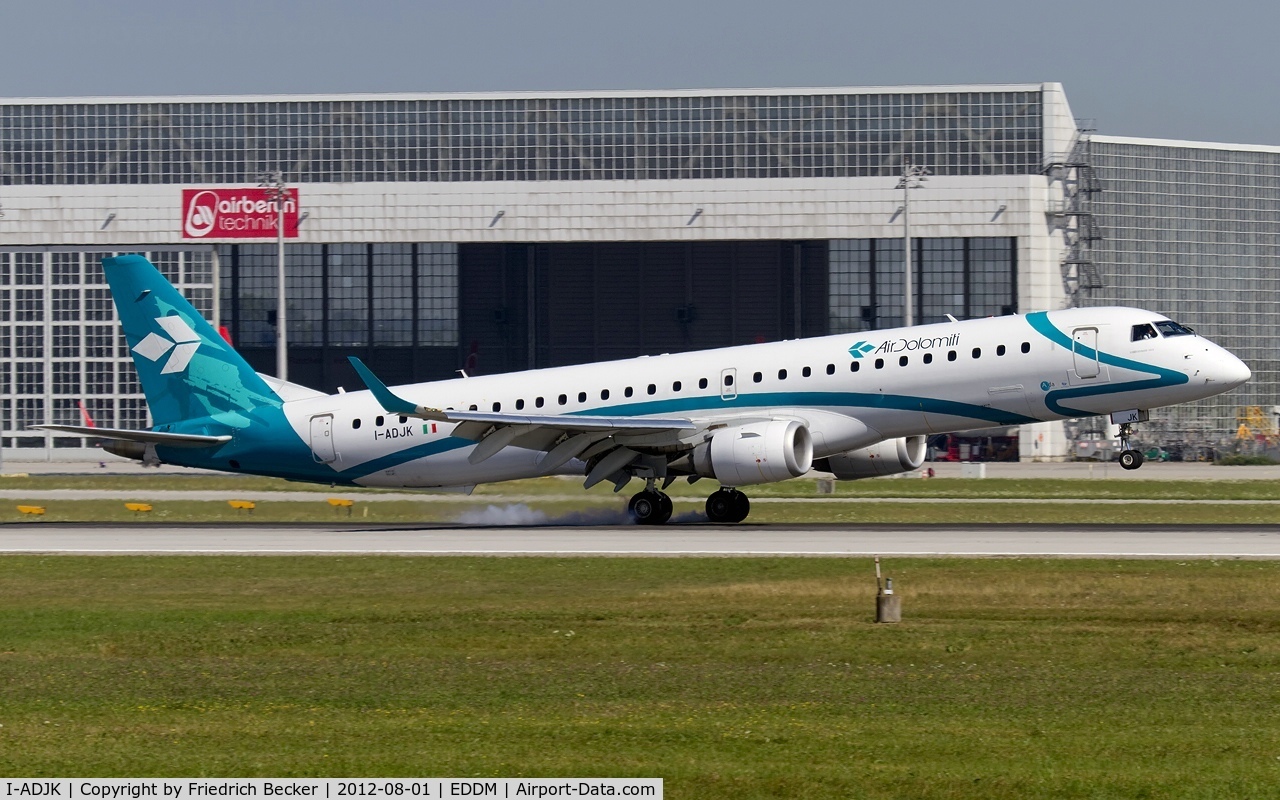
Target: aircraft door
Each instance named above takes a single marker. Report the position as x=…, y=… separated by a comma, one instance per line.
x=1084, y=352
x=729, y=384
x=322, y=438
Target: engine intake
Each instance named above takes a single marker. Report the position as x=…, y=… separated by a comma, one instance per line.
x=889, y=457
x=761, y=452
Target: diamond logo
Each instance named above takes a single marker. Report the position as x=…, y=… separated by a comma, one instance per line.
x=181, y=340
x=861, y=349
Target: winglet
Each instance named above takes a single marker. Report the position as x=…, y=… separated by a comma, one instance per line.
x=388, y=399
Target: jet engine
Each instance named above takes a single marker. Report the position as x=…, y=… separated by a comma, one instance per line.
x=760, y=452
x=883, y=458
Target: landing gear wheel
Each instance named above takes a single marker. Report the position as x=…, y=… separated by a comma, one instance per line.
x=650, y=508
x=728, y=505
x=1131, y=459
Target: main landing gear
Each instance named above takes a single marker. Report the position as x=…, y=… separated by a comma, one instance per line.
x=652, y=507
x=728, y=505
x=1129, y=458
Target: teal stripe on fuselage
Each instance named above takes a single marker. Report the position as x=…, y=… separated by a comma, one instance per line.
x=1039, y=321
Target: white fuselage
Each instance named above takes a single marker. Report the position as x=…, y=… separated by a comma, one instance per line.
x=851, y=390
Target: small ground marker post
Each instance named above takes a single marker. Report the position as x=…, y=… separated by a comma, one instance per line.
x=888, y=604
x=35, y=511
x=242, y=505
x=138, y=508
x=341, y=502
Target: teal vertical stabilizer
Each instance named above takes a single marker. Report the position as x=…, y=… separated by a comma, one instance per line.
x=187, y=370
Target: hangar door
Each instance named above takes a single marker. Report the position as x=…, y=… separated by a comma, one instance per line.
x=554, y=304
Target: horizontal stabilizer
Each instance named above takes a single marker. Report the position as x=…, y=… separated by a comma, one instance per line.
x=145, y=437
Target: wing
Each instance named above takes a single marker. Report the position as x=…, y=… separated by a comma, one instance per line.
x=561, y=436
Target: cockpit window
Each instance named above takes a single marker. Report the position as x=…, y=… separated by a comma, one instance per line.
x=1144, y=331
x=1171, y=328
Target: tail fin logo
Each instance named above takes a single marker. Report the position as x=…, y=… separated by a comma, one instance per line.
x=181, y=340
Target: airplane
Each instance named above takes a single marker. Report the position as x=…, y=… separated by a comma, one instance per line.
x=854, y=405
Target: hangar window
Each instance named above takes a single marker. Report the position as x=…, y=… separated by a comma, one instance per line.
x=902, y=361
x=1026, y=347
x=977, y=352
x=879, y=363
x=782, y=374
x=702, y=383
x=806, y=372
x=497, y=407
x=520, y=404
x=604, y=394
x=1000, y=350
x=927, y=358
x=355, y=424
x=379, y=421
x=831, y=369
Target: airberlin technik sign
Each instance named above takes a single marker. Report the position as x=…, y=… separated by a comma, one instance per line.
x=243, y=213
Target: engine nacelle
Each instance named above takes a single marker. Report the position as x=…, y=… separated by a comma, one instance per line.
x=883, y=458
x=761, y=452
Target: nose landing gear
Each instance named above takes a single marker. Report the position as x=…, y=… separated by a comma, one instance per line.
x=1129, y=458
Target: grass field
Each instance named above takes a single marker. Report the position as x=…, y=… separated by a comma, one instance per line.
x=880, y=501
x=726, y=677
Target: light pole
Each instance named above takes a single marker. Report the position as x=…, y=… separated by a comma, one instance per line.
x=912, y=178
x=279, y=193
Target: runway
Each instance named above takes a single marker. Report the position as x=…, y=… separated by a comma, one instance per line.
x=1073, y=541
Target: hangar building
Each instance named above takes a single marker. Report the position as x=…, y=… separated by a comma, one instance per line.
x=496, y=232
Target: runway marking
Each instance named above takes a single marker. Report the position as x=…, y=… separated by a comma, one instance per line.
x=656, y=553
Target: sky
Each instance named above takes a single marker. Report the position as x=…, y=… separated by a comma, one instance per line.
x=1172, y=70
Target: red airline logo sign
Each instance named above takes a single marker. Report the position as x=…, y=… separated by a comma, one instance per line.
x=238, y=213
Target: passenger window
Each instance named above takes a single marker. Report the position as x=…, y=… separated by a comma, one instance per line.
x=538, y=402
x=806, y=372
x=604, y=394
x=1000, y=350
x=355, y=424
x=702, y=383
x=1143, y=331
x=902, y=361
x=497, y=407
x=831, y=369
x=582, y=397
x=854, y=366
x=951, y=355
x=520, y=404
x=927, y=358
x=563, y=399
x=728, y=380
x=757, y=377
x=474, y=407
x=378, y=421
x=879, y=363
x=782, y=374
x=675, y=387
x=1026, y=347
x=653, y=389
x=977, y=352
x=627, y=392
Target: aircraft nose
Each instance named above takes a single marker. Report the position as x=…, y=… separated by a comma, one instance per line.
x=1232, y=371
